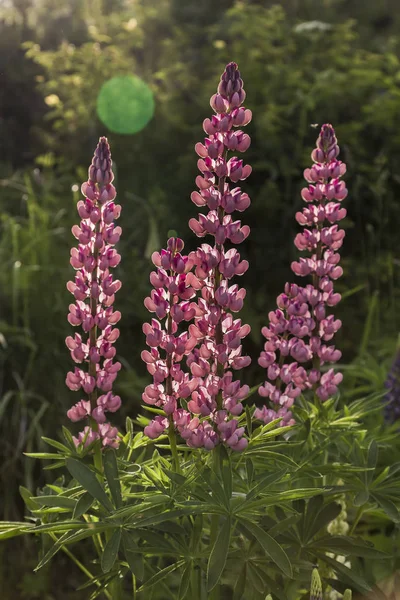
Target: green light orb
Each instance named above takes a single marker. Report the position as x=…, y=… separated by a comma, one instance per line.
x=125, y=104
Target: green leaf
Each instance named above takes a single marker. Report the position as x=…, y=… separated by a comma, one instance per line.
x=175, y=477
x=265, y=483
x=371, y=462
x=111, y=473
x=283, y=525
x=133, y=555
x=57, y=445
x=256, y=578
x=54, y=549
x=68, y=438
x=240, y=584
x=43, y=455
x=249, y=471
x=14, y=532
x=83, y=505
x=218, y=493
x=27, y=498
x=226, y=471
x=88, y=481
x=167, y=516
x=327, y=514
x=160, y=575
x=361, y=498
x=314, y=505
x=110, y=551
x=218, y=555
x=270, y=546
x=274, y=588
x=347, y=575
x=389, y=507
x=249, y=421
x=55, y=500
x=347, y=546
x=185, y=580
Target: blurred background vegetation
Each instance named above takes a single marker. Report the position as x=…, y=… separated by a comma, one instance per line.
x=303, y=62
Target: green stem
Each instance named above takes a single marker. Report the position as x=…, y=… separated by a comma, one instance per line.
x=115, y=585
x=97, y=454
x=81, y=567
x=172, y=443
x=214, y=518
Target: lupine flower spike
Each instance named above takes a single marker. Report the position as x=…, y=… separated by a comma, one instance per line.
x=197, y=365
x=392, y=396
x=316, y=586
x=298, y=331
x=94, y=291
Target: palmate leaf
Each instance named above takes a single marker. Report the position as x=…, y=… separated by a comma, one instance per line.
x=27, y=498
x=56, y=500
x=218, y=492
x=240, y=584
x=318, y=516
x=265, y=482
x=346, y=575
x=185, y=580
x=218, y=555
x=133, y=555
x=274, y=588
x=88, y=481
x=160, y=575
x=111, y=473
x=277, y=497
x=14, y=531
x=110, y=551
x=225, y=467
x=83, y=505
x=255, y=577
x=64, y=449
x=71, y=537
x=388, y=507
x=347, y=546
x=271, y=547
x=54, y=549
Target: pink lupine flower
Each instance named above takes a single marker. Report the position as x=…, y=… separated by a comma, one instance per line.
x=198, y=290
x=300, y=327
x=94, y=289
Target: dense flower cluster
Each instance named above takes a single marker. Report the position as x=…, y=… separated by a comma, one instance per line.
x=198, y=289
x=299, y=329
x=392, y=396
x=94, y=291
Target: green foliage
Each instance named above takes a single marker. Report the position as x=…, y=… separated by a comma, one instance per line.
x=222, y=524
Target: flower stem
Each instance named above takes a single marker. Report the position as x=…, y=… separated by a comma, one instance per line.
x=81, y=566
x=172, y=443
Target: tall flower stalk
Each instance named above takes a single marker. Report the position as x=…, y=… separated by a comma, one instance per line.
x=200, y=371
x=296, y=348
x=94, y=292
x=392, y=396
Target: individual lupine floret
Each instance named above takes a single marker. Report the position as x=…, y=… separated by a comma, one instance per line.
x=94, y=291
x=298, y=331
